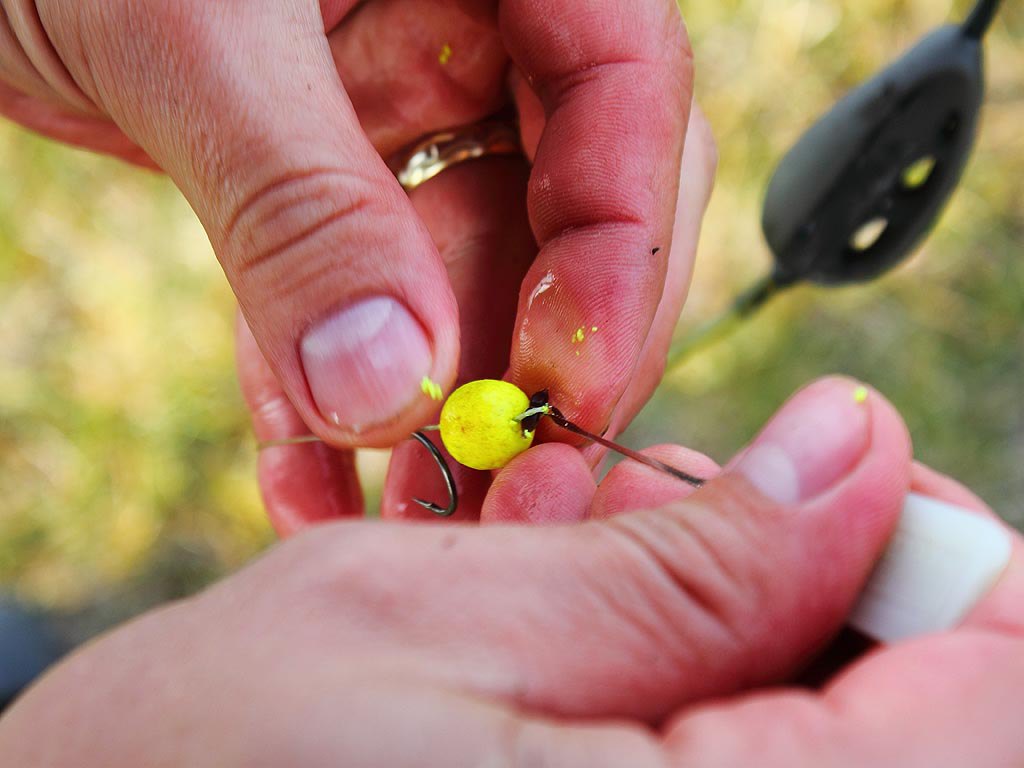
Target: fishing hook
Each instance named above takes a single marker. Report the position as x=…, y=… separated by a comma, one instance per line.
x=446, y=472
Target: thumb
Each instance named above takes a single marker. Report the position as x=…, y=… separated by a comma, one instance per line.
x=337, y=278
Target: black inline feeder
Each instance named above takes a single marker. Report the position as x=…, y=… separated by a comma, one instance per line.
x=865, y=184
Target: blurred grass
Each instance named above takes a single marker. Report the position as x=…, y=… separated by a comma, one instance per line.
x=126, y=463
x=122, y=428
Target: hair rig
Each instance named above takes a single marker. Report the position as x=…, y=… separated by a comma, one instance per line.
x=486, y=423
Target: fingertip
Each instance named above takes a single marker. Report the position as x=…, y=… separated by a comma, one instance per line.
x=631, y=487
x=696, y=182
x=835, y=436
x=375, y=370
x=550, y=483
x=871, y=494
x=585, y=310
x=820, y=491
x=935, y=484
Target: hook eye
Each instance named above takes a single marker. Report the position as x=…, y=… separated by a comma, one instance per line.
x=446, y=472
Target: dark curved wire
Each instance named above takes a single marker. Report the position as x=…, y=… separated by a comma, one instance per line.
x=446, y=472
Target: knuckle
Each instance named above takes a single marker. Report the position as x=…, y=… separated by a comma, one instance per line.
x=280, y=233
x=137, y=61
x=705, y=571
x=45, y=38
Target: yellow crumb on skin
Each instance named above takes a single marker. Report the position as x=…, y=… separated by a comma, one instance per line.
x=578, y=336
x=860, y=394
x=593, y=329
x=446, y=54
x=431, y=388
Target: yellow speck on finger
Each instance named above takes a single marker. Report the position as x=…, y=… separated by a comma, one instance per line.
x=578, y=336
x=446, y=54
x=431, y=388
x=860, y=394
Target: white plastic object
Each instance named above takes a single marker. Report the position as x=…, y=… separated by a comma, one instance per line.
x=940, y=562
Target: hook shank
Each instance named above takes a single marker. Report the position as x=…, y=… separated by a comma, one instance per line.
x=446, y=472
x=556, y=416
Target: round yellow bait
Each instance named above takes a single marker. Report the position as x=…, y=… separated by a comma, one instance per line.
x=478, y=425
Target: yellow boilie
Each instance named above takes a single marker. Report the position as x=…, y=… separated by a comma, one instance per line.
x=478, y=424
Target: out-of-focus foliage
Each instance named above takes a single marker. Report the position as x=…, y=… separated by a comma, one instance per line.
x=122, y=427
x=126, y=463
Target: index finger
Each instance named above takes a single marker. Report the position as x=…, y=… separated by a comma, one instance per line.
x=615, y=79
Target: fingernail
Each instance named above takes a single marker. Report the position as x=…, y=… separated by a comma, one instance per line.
x=364, y=364
x=940, y=562
x=813, y=442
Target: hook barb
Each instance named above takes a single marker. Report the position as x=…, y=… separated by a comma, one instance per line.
x=446, y=472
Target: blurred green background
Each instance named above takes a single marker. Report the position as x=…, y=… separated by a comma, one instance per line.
x=126, y=461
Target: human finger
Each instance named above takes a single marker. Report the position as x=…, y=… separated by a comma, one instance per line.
x=302, y=484
x=551, y=483
x=415, y=67
x=85, y=131
x=629, y=617
x=697, y=178
x=603, y=190
x=632, y=487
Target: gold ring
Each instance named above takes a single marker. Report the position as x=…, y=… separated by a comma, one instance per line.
x=439, y=151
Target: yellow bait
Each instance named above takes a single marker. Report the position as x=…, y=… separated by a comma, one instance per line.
x=478, y=425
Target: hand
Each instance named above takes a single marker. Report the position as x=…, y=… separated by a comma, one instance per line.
x=646, y=639
x=306, y=483
x=355, y=291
